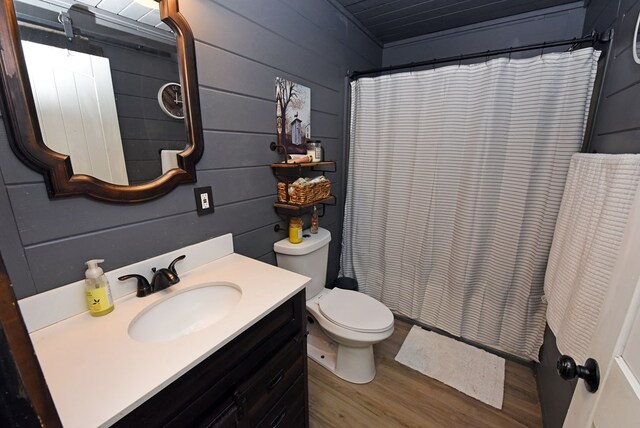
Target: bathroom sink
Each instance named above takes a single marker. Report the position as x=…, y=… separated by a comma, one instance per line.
x=185, y=312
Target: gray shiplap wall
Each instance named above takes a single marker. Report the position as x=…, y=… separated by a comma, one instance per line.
x=554, y=393
x=241, y=46
x=145, y=128
x=555, y=23
x=617, y=124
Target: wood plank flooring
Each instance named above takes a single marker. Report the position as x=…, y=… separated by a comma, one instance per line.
x=402, y=397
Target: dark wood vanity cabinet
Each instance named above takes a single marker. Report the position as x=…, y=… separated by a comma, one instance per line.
x=258, y=379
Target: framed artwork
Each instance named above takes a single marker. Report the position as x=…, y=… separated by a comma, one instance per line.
x=293, y=115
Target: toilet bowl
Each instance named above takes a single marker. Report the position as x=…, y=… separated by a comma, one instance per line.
x=343, y=325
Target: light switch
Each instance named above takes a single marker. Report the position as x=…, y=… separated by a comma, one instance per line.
x=204, y=200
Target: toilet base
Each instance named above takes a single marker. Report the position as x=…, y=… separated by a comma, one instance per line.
x=355, y=365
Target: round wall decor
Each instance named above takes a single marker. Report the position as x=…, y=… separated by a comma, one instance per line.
x=170, y=100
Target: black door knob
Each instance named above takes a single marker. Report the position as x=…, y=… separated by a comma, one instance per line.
x=590, y=373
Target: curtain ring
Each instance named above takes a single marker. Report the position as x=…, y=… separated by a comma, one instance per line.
x=510, y=54
x=460, y=62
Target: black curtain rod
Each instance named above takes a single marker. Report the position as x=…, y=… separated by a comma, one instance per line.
x=593, y=38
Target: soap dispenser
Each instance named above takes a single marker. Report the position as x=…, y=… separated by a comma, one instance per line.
x=97, y=290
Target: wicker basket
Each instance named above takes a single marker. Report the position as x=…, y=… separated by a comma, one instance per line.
x=301, y=194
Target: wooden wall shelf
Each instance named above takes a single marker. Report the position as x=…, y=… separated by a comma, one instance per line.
x=331, y=200
x=302, y=165
x=286, y=171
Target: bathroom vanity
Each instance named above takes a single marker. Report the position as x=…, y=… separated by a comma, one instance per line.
x=245, y=367
x=259, y=379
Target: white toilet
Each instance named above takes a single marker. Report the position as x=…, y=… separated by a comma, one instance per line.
x=344, y=325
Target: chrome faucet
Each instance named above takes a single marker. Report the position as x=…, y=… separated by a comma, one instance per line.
x=162, y=278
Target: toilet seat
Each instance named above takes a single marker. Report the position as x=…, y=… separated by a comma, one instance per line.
x=355, y=311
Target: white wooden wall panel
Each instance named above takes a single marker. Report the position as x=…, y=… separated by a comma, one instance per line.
x=108, y=119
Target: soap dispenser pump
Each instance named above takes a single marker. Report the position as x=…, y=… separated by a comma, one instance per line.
x=97, y=290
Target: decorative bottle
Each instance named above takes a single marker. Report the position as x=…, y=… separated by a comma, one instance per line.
x=314, y=220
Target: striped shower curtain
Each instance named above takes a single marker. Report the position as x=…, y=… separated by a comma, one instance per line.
x=455, y=180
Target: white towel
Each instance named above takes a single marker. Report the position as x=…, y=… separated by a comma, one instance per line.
x=595, y=208
x=169, y=159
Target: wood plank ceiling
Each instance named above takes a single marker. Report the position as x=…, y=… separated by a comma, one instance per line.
x=393, y=20
x=139, y=11
x=387, y=20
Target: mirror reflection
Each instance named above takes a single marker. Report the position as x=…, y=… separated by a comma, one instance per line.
x=635, y=47
x=106, y=87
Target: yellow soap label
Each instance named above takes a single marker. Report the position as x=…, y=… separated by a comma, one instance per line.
x=99, y=299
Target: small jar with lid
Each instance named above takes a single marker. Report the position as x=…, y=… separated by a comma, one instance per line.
x=295, y=230
x=317, y=156
x=311, y=151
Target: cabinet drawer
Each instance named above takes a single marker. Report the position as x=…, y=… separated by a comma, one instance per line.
x=228, y=418
x=286, y=412
x=265, y=387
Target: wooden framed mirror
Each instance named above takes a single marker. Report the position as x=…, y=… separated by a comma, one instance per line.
x=26, y=118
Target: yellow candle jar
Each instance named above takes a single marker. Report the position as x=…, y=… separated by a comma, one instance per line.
x=295, y=230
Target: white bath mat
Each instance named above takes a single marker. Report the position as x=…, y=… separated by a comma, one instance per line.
x=470, y=370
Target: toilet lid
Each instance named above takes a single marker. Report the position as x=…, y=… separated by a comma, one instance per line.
x=355, y=311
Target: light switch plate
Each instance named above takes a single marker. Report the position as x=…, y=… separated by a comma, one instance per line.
x=204, y=200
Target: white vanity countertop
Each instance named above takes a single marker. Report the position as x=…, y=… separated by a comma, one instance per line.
x=97, y=374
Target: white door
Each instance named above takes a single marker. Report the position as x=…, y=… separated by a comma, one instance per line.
x=619, y=404
x=616, y=345
x=76, y=108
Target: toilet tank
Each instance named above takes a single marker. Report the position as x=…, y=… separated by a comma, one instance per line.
x=308, y=258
